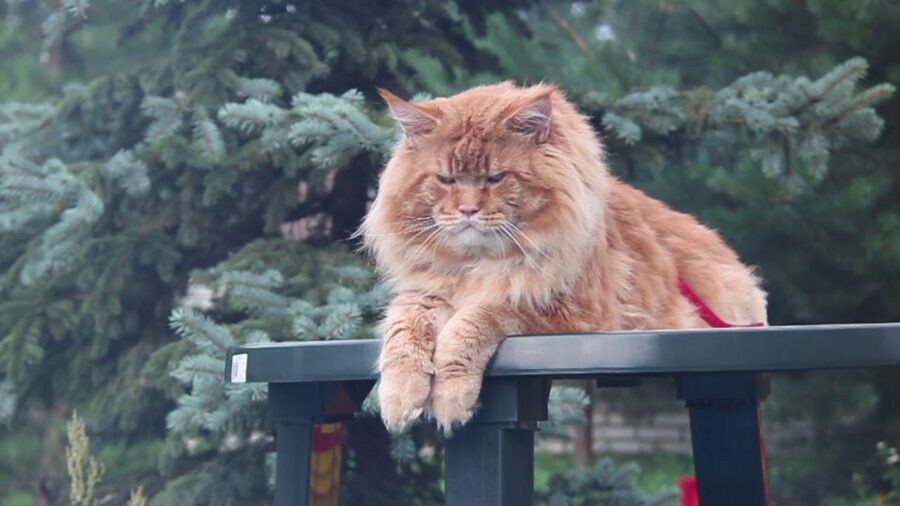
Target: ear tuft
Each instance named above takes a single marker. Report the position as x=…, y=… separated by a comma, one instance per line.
x=534, y=118
x=414, y=119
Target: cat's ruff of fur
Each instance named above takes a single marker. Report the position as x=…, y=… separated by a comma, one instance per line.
x=557, y=245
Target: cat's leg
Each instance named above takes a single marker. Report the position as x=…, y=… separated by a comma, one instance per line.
x=410, y=326
x=464, y=347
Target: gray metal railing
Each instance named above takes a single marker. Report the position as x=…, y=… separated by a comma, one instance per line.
x=489, y=462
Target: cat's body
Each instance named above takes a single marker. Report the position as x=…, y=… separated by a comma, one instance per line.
x=497, y=216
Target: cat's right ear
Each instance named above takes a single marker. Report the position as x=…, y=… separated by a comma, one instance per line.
x=415, y=119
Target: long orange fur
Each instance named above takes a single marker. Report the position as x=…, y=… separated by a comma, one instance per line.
x=555, y=244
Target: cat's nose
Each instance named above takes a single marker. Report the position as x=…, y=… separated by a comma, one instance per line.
x=468, y=210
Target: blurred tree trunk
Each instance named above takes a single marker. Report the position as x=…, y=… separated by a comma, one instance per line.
x=371, y=446
x=584, y=434
x=48, y=485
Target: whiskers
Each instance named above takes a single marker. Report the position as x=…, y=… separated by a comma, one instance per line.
x=430, y=226
x=430, y=234
x=514, y=234
x=536, y=247
x=422, y=238
x=411, y=228
x=411, y=225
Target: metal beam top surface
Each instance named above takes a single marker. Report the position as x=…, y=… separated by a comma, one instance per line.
x=760, y=349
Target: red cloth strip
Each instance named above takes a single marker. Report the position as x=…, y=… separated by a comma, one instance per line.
x=706, y=312
x=325, y=441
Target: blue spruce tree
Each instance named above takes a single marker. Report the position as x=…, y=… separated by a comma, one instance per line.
x=199, y=187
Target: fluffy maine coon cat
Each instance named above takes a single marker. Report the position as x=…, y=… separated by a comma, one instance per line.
x=497, y=215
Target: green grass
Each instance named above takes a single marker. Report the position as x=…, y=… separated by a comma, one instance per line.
x=659, y=471
x=19, y=458
x=129, y=460
x=17, y=499
x=869, y=501
x=548, y=464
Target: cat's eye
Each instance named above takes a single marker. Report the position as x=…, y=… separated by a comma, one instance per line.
x=495, y=178
x=446, y=179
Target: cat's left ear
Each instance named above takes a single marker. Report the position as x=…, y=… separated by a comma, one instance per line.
x=533, y=118
x=415, y=119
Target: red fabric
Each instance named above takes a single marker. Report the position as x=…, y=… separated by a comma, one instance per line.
x=689, y=496
x=688, y=485
x=325, y=441
x=706, y=312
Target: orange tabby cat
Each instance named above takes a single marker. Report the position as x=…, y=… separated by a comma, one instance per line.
x=497, y=215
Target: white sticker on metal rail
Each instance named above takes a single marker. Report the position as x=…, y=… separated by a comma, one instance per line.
x=239, y=368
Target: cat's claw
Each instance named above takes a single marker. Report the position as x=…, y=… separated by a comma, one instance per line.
x=448, y=426
x=454, y=401
x=402, y=399
x=396, y=424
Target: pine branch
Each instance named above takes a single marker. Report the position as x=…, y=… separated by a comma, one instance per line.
x=208, y=137
x=349, y=317
x=204, y=370
x=868, y=98
x=854, y=68
x=664, y=12
x=567, y=28
x=186, y=322
x=705, y=24
x=7, y=402
x=153, y=226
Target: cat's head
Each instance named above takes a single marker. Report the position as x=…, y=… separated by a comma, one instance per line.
x=497, y=172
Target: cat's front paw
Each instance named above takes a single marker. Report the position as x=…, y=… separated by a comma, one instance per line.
x=402, y=396
x=454, y=400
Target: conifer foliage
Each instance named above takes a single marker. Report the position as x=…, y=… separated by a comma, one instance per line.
x=203, y=192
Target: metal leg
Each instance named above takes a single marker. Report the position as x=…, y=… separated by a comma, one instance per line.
x=294, y=446
x=490, y=465
x=490, y=461
x=729, y=452
x=294, y=408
